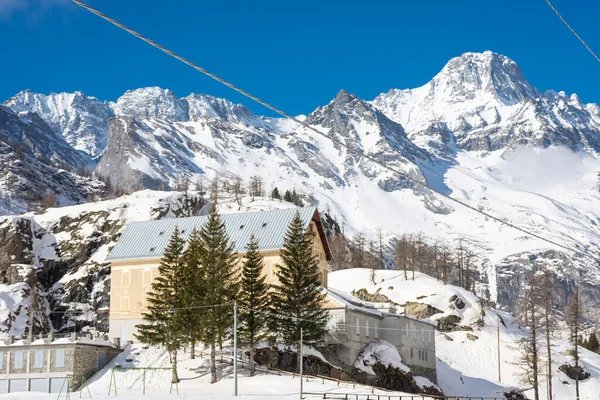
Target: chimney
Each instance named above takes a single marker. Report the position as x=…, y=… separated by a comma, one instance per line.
x=117, y=342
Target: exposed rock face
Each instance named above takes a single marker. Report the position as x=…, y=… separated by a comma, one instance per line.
x=578, y=373
x=57, y=263
x=479, y=102
x=449, y=323
x=420, y=310
x=376, y=297
x=387, y=377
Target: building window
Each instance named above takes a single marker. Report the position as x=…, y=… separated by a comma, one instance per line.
x=375, y=331
x=125, y=305
x=425, y=356
x=367, y=327
x=18, y=359
x=415, y=331
x=38, y=359
x=407, y=328
x=411, y=353
x=147, y=277
x=422, y=335
x=126, y=279
x=59, y=358
x=357, y=326
x=429, y=334
x=1, y=360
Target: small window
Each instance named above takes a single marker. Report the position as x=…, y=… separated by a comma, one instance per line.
x=415, y=331
x=367, y=328
x=161, y=233
x=411, y=353
x=419, y=354
x=18, y=359
x=1, y=360
x=147, y=277
x=429, y=334
x=241, y=226
x=126, y=279
x=152, y=249
x=125, y=305
x=406, y=329
x=357, y=326
x=425, y=356
x=59, y=358
x=38, y=359
x=182, y=231
x=375, y=332
x=422, y=335
x=264, y=224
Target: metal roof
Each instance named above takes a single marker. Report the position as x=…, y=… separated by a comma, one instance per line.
x=148, y=239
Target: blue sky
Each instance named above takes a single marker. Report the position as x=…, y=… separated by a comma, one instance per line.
x=295, y=54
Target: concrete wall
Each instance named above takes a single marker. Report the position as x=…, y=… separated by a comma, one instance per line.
x=415, y=341
x=127, y=281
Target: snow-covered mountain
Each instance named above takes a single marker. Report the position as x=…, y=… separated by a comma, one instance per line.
x=477, y=131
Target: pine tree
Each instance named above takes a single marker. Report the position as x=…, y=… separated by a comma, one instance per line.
x=275, y=194
x=194, y=291
x=297, y=297
x=288, y=196
x=592, y=343
x=253, y=300
x=218, y=271
x=162, y=322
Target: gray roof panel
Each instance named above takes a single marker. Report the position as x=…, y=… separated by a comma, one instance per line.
x=148, y=239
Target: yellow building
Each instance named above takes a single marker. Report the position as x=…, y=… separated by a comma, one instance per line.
x=136, y=256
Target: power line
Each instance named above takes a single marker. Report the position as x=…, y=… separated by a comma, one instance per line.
x=333, y=139
x=573, y=30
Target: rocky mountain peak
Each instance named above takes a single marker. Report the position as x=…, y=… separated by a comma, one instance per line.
x=203, y=105
x=151, y=103
x=475, y=74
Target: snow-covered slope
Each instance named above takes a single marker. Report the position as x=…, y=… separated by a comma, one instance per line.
x=55, y=261
x=468, y=359
x=477, y=131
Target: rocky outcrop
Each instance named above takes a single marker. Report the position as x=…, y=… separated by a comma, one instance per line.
x=58, y=264
x=386, y=376
x=376, y=297
x=420, y=310
x=575, y=373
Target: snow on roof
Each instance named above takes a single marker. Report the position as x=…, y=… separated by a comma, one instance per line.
x=148, y=239
x=350, y=302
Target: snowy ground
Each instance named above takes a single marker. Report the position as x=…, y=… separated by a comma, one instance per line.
x=195, y=382
x=470, y=367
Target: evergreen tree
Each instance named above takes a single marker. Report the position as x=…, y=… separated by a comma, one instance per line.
x=275, y=194
x=194, y=291
x=218, y=274
x=162, y=322
x=297, y=297
x=253, y=300
x=592, y=343
x=288, y=196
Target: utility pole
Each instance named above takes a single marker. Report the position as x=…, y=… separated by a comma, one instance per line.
x=301, y=362
x=235, y=355
x=499, y=376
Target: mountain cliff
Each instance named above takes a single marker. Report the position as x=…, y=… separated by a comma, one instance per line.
x=478, y=131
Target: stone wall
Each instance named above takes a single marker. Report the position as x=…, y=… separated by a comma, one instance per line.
x=428, y=373
x=86, y=359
